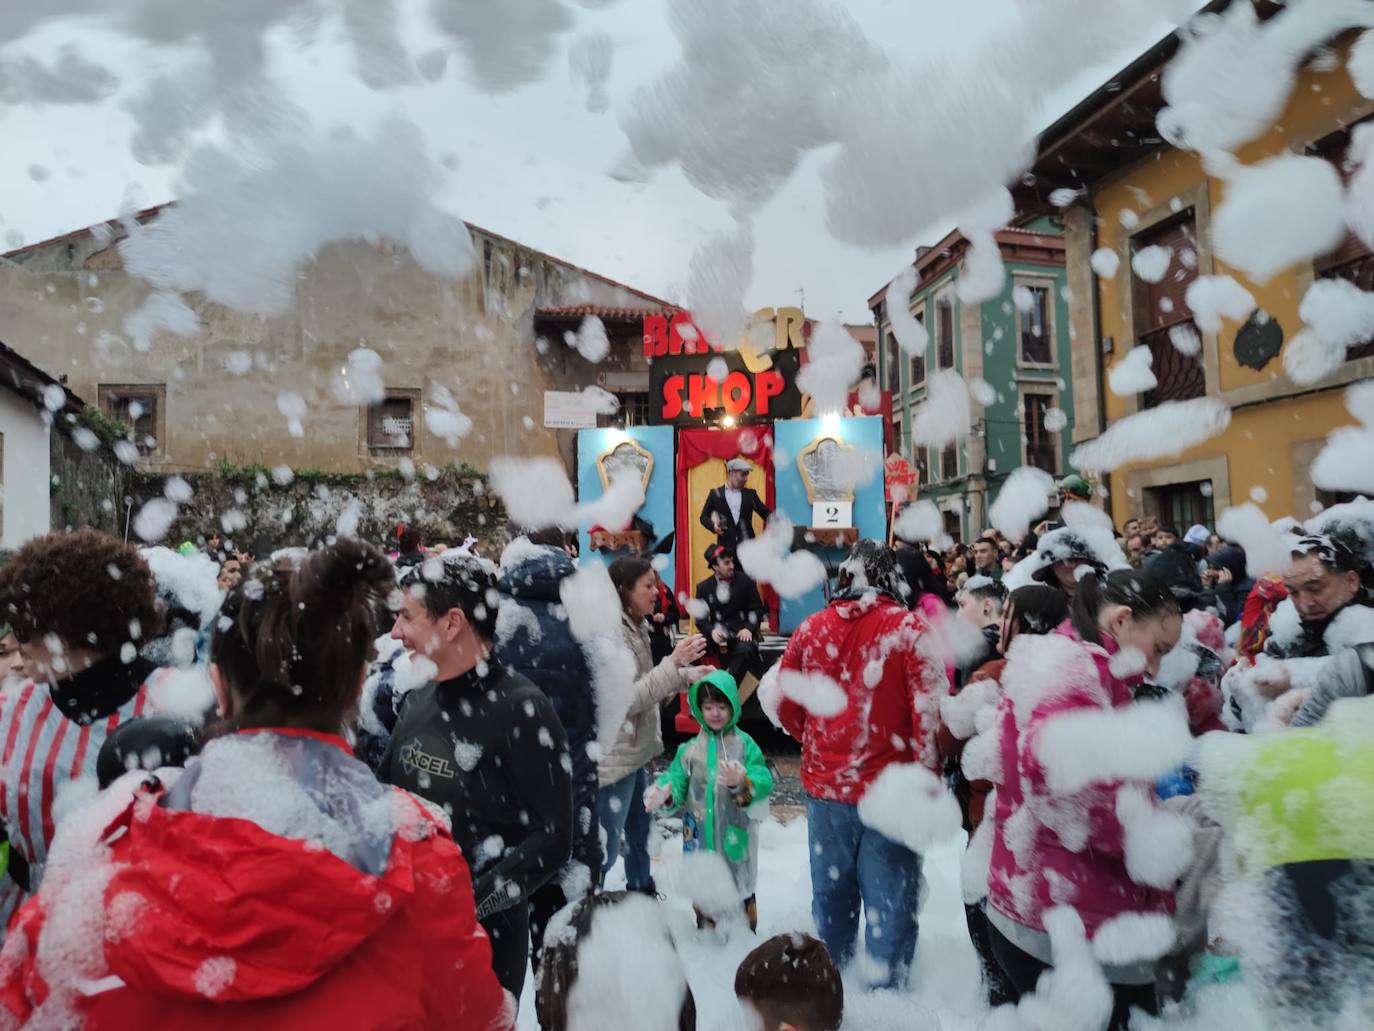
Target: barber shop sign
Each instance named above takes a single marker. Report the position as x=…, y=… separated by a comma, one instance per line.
x=758, y=383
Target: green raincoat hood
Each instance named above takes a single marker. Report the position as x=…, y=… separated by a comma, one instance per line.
x=725, y=684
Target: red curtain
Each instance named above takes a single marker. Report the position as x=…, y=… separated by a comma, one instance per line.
x=695, y=446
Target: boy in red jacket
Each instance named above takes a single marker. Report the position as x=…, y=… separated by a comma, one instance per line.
x=869, y=645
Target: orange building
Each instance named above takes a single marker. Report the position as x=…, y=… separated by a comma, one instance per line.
x=1133, y=190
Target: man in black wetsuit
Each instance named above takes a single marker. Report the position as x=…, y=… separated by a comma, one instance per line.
x=486, y=745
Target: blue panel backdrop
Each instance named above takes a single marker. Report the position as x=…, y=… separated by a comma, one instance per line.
x=790, y=437
x=658, y=502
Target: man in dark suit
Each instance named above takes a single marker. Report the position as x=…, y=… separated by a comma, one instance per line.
x=734, y=613
x=729, y=510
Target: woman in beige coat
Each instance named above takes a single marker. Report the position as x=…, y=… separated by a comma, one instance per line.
x=621, y=774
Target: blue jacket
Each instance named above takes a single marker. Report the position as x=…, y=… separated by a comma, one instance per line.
x=553, y=660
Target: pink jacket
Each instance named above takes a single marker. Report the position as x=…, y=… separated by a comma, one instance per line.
x=1051, y=850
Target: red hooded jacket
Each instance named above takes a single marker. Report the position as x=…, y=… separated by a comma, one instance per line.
x=877, y=651
x=213, y=922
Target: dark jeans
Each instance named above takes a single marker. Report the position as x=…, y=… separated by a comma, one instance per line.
x=1000, y=989
x=852, y=865
x=620, y=808
x=509, y=931
x=1023, y=970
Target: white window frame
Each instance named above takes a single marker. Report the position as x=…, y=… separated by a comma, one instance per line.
x=1050, y=286
x=1051, y=392
x=918, y=312
x=945, y=293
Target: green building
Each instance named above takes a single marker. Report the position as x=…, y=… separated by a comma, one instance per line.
x=1013, y=351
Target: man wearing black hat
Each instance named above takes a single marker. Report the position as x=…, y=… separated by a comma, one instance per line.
x=734, y=612
x=729, y=510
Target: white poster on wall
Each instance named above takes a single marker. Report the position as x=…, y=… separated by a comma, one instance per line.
x=569, y=410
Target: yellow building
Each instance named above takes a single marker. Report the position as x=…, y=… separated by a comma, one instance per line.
x=1133, y=191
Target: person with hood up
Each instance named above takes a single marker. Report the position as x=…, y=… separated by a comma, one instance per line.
x=273, y=883
x=1229, y=582
x=88, y=679
x=870, y=646
x=1060, y=833
x=485, y=744
x=1061, y=556
x=714, y=779
x=535, y=640
x=621, y=773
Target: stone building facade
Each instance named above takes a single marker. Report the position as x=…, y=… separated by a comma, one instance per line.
x=494, y=341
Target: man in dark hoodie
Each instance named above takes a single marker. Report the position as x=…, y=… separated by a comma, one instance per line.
x=1229, y=582
x=535, y=640
x=485, y=744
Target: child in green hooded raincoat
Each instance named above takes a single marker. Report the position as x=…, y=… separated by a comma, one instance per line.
x=715, y=778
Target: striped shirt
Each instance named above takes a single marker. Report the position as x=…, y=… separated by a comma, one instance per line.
x=43, y=751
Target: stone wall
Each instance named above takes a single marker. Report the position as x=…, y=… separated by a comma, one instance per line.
x=252, y=507
x=64, y=306
x=87, y=488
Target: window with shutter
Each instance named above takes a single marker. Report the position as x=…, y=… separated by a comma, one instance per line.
x=1352, y=260
x=1161, y=311
x=953, y=526
x=944, y=329
x=1035, y=328
x=1040, y=444
x=138, y=406
x=918, y=361
x=949, y=463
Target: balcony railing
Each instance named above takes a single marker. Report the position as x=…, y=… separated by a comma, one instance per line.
x=1181, y=376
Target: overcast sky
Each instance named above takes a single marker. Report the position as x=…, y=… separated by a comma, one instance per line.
x=531, y=164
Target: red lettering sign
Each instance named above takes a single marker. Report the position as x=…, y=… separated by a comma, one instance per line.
x=672, y=397
x=703, y=392
x=768, y=386
x=655, y=336
x=683, y=335
x=736, y=393
x=900, y=478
